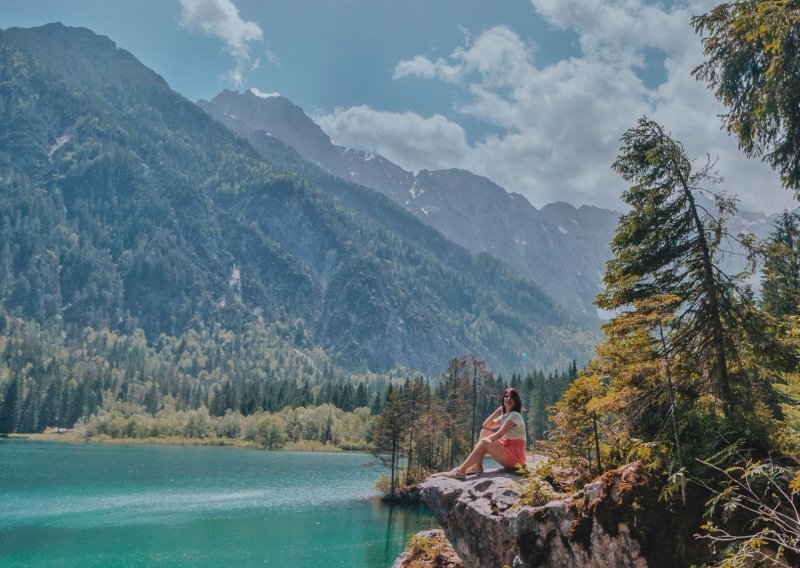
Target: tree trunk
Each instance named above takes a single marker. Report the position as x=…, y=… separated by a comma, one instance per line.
x=721, y=365
x=597, y=444
x=673, y=411
x=394, y=464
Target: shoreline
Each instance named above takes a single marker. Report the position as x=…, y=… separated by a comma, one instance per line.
x=71, y=437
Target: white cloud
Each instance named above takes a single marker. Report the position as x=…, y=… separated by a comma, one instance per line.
x=422, y=67
x=560, y=123
x=220, y=18
x=611, y=30
x=406, y=138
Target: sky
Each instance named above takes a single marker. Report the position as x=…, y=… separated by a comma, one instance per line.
x=533, y=94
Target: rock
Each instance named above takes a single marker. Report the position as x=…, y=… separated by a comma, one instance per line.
x=483, y=519
x=429, y=548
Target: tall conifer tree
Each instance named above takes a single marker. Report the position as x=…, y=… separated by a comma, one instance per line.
x=780, y=281
x=666, y=244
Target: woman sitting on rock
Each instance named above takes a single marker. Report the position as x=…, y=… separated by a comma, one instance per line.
x=502, y=437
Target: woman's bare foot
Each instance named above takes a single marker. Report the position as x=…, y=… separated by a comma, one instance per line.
x=455, y=473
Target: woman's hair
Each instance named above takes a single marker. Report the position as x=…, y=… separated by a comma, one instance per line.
x=515, y=397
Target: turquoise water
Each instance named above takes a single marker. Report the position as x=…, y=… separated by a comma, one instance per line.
x=76, y=505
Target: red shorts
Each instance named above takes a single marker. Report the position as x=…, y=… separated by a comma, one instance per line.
x=515, y=451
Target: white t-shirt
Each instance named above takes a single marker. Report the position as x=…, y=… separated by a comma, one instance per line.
x=517, y=431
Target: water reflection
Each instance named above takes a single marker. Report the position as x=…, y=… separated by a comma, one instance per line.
x=401, y=522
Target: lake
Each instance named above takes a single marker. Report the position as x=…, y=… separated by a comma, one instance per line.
x=84, y=505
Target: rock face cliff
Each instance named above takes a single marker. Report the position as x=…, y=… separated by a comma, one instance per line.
x=595, y=527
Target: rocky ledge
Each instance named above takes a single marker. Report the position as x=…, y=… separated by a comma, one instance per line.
x=429, y=548
x=487, y=525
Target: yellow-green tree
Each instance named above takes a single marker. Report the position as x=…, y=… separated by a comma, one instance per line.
x=575, y=417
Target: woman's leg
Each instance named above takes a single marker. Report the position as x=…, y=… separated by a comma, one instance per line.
x=483, y=447
x=478, y=468
x=485, y=433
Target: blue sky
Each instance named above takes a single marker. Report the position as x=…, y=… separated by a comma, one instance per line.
x=533, y=94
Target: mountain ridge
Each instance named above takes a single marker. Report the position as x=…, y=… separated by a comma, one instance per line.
x=156, y=217
x=470, y=210
x=561, y=247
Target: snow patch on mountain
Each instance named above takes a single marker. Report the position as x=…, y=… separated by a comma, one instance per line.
x=415, y=190
x=60, y=141
x=263, y=95
x=235, y=281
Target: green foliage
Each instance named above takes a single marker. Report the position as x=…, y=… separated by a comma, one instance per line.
x=9, y=408
x=308, y=429
x=752, y=48
x=544, y=392
x=780, y=279
x=424, y=551
x=536, y=491
x=270, y=432
x=682, y=358
x=576, y=422
x=788, y=385
x=688, y=361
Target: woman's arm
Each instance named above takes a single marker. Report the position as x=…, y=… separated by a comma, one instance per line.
x=490, y=422
x=502, y=431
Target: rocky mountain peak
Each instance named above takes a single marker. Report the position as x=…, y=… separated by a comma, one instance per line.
x=248, y=112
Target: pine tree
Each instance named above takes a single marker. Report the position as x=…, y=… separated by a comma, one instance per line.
x=667, y=244
x=780, y=281
x=389, y=434
x=416, y=393
x=454, y=393
x=9, y=408
x=752, y=51
x=479, y=374
x=537, y=405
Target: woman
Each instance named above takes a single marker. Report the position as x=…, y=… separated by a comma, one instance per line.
x=502, y=437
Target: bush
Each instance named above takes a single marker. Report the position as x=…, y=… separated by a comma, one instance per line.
x=270, y=432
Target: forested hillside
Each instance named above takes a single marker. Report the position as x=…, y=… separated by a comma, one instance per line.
x=126, y=210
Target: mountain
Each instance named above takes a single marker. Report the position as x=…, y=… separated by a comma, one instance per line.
x=562, y=248
x=124, y=205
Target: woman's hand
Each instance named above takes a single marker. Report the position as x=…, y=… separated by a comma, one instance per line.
x=502, y=431
x=489, y=422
